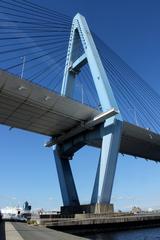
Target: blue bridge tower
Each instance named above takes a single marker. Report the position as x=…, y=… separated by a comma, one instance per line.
x=108, y=128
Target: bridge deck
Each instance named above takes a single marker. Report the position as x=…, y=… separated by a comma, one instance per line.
x=30, y=107
x=140, y=142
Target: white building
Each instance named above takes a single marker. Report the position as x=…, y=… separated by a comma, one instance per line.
x=9, y=212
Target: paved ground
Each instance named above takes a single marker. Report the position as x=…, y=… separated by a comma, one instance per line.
x=11, y=233
x=22, y=231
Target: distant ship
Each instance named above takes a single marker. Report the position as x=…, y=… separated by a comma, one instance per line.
x=16, y=213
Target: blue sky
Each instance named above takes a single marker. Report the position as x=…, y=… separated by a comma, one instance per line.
x=130, y=28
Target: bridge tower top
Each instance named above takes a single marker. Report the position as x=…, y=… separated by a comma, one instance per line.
x=80, y=32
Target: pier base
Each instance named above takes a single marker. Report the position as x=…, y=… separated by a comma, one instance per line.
x=88, y=208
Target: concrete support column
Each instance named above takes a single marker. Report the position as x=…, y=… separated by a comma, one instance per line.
x=67, y=185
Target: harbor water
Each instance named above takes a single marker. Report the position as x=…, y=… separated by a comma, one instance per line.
x=138, y=234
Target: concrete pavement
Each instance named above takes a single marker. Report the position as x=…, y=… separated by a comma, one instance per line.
x=11, y=233
x=22, y=231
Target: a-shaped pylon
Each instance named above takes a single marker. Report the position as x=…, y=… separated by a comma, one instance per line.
x=109, y=131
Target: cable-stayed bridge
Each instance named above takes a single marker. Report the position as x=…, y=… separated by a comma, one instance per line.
x=59, y=79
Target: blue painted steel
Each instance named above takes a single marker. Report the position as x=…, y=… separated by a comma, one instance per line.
x=67, y=185
x=96, y=183
x=79, y=63
x=107, y=164
x=69, y=76
x=111, y=137
x=102, y=85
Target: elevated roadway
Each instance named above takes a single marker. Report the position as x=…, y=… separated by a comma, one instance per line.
x=31, y=107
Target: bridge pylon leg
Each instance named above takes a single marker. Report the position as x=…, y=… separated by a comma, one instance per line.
x=67, y=185
x=107, y=164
